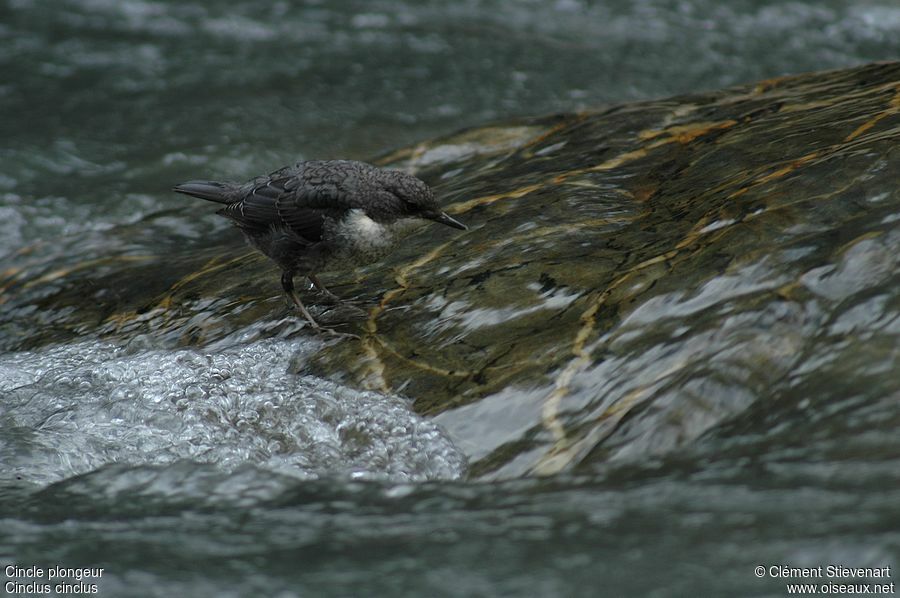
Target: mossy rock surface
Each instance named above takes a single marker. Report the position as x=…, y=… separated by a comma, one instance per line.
x=638, y=271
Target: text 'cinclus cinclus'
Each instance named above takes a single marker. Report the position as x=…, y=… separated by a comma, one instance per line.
x=320, y=214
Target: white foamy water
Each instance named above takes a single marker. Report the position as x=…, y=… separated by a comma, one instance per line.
x=70, y=409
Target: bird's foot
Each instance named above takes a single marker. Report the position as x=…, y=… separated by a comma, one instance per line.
x=329, y=331
x=312, y=321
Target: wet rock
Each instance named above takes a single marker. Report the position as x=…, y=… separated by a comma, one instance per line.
x=633, y=276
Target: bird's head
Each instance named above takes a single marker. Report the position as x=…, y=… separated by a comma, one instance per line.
x=417, y=200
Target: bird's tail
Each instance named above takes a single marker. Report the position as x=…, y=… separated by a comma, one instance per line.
x=209, y=190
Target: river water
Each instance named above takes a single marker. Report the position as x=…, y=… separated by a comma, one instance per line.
x=214, y=471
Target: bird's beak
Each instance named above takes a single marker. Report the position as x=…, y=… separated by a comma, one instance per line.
x=443, y=218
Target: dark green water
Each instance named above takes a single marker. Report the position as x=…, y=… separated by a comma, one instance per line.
x=212, y=472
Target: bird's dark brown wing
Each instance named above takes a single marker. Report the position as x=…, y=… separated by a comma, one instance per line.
x=285, y=202
x=303, y=207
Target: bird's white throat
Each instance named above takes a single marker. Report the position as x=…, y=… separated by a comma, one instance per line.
x=366, y=239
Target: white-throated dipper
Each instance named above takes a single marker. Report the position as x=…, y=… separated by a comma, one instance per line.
x=321, y=214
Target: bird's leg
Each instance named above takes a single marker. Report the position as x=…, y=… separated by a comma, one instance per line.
x=321, y=287
x=287, y=283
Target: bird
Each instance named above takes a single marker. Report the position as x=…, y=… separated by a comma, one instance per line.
x=316, y=215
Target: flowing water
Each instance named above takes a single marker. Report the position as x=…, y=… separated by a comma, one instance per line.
x=213, y=470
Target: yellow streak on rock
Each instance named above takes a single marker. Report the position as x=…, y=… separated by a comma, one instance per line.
x=893, y=108
x=207, y=268
x=777, y=174
x=557, y=460
x=564, y=450
x=621, y=159
x=785, y=170
x=863, y=237
x=373, y=374
x=11, y=275
x=464, y=206
x=166, y=301
x=550, y=411
x=418, y=364
x=682, y=134
x=685, y=134
x=767, y=85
